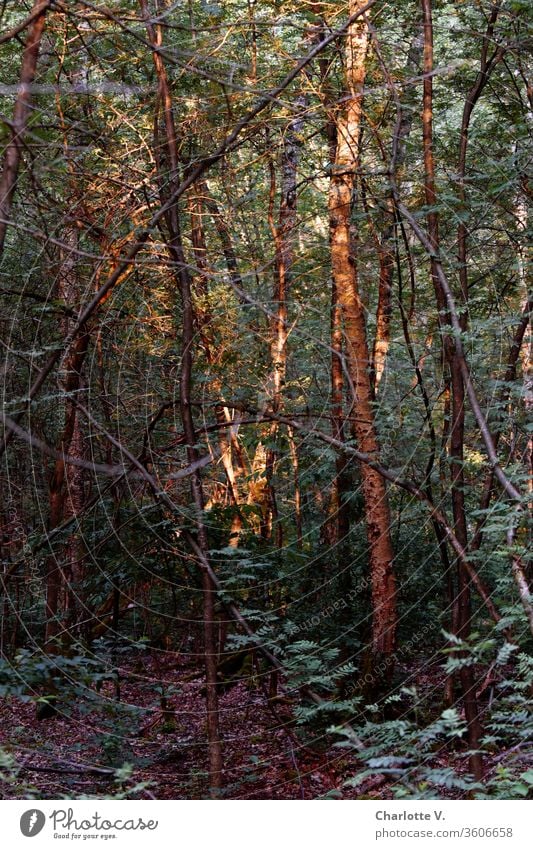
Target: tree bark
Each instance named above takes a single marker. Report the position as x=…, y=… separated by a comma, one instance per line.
x=204, y=321
x=176, y=252
x=387, y=242
x=384, y=617
x=338, y=521
x=66, y=500
x=21, y=113
x=462, y=602
x=283, y=236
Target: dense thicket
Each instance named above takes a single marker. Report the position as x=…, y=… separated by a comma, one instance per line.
x=266, y=378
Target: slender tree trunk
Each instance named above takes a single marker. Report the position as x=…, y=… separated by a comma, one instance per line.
x=524, y=350
x=74, y=489
x=283, y=234
x=336, y=528
x=223, y=232
x=485, y=69
x=357, y=355
x=251, y=18
x=176, y=252
x=239, y=465
x=66, y=500
x=297, y=494
x=387, y=242
x=21, y=113
x=384, y=306
x=204, y=319
x=284, y=240
x=462, y=603
x=67, y=486
x=520, y=348
x=338, y=522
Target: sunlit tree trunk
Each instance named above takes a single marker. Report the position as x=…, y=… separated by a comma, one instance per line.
x=387, y=241
x=384, y=306
x=384, y=618
x=283, y=233
x=204, y=322
x=336, y=528
x=240, y=463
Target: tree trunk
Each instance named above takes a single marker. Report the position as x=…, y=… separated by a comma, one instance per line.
x=462, y=602
x=66, y=500
x=175, y=248
x=384, y=618
x=338, y=522
x=283, y=235
x=204, y=322
x=66, y=494
x=21, y=113
x=387, y=242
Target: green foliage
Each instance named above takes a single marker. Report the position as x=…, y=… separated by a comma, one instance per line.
x=419, y=760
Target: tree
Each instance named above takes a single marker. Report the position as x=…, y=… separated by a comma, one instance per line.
x=265, y=395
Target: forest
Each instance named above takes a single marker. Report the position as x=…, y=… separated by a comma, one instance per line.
x=266, y=451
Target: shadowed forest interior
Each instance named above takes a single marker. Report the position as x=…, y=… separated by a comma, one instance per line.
x=266, y=443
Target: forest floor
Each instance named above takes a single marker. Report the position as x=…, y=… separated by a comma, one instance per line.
x=266, y=755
